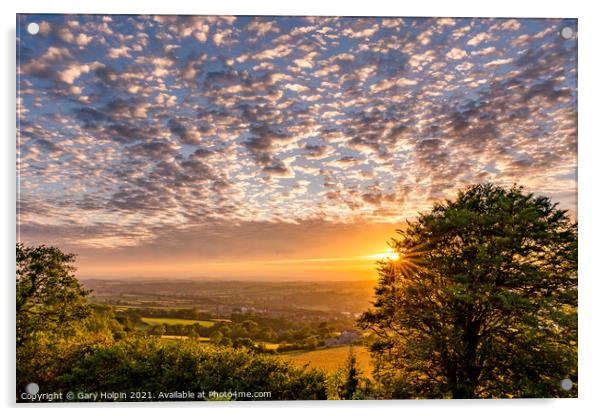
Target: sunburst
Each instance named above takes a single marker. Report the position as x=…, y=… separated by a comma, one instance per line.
x=403, y=262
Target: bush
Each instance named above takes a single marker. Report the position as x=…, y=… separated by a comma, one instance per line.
x=152, y=366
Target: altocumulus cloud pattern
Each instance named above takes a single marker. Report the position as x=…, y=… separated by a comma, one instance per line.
x=134, y=125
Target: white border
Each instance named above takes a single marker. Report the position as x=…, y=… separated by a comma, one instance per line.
x=589, y=192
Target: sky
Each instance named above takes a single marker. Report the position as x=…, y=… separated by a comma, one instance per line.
x=277, y=148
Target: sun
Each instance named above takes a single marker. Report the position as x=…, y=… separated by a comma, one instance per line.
x=389, y=255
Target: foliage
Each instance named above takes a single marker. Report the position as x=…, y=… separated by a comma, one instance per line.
x=334, y=385
x=482, y=301
x=352, y=376
x=48, y=354
x=50, y=309
x=48, y=296
x=151, y=366
x=346, y=382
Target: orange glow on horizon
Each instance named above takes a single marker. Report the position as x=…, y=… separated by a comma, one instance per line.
x=349, y=252
x=319, y=268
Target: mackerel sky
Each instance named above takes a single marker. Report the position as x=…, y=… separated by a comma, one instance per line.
x=181, y=138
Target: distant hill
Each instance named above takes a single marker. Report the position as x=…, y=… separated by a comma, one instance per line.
x=346, y=297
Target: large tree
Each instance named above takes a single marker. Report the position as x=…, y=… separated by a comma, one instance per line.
x=481, y=301
x=48, y=296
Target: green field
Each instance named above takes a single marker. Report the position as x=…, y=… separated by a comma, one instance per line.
x=330, y=359
x=176, y=321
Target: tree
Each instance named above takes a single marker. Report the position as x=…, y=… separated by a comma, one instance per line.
x=48, y=296
x=159, y=330
x=481, y=301
x=352, y=373
x=192, y=334
x=244, y=343
x=53, y=317
x=344, y=383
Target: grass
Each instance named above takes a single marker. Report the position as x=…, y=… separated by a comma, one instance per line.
x=176, y=321
x=330, y=359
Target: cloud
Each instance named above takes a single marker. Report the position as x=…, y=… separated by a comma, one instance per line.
x=479, y=38
x=43, y=66
x=485, y=51
x=364, y=33
x=511, y=24
x=424, y=38
x=307, y=61
x=296, y=87
x=74, y=71
x=139, y=128
x=498, y=62
x=45, y=27
x=315, y=151
x=82, y=39
x=446, y=22
x=185, y=131
x=418, y=60
x=65, y=35
x=121, y=52
x=261, y=27
x=389, y=83
x=456, y=53
x=327, y=70
x=279, y=51
x=222, y=37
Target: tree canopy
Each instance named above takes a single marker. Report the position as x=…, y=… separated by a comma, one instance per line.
x=482, y=301
x=48, y=296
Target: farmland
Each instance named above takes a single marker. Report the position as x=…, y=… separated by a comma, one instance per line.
x=270, y=345
x=330, y=359
x=267, y=317
x=184, y=337
x=175, y=321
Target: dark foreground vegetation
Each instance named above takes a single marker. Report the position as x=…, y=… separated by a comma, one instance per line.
x=482, y=302
x=157, y=369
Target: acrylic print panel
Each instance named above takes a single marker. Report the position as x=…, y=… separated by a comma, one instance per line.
x=287, y=208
